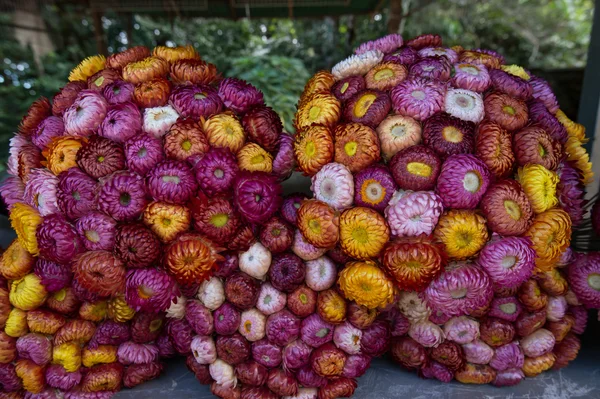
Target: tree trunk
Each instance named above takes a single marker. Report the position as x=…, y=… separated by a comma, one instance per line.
x=30, y=31
x=395, y=16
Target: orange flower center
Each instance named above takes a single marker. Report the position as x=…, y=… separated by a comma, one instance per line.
x=248, y=326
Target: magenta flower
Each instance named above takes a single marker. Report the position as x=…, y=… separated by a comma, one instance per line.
x=53, y=276
x=266, y=353
x=122, y=122
x=571, y=192
x=76, y=193
x=315, y=331
x=374, y=187
x=405, y=56
x=410, y=214
x=35, y=347
x=122, y=195
x=538, y=113
x=510, y=84
x=450, y=54
x=435, y=68
x=290, y=206
x=472, y=77
x=418, y=98
x=239, y=95
x=172, y=181
x=508, y=261
x=146, y=327
x=284, y=161
x=143, y=152
x=508, y=356
x=580, y=315
x=50, y=128
x=385, y=44
x=538, y=343
x=478, y=352
x=282, y=327
x=150, y=290
x=15, y=146
x=438, y=371
x=461, y=330
x=507, y=308
x=110, y=332
x=12, y=191
x=58, y=377
x=58, y=240
x=216, y=171
x=131, y=353
x=40, y=191
x=509, y=377
x=196, y=101
x=97, y=231
x=346, y=88
x=459, y=290
x=426, y=333
x=181, y=335
x=118, y=92
x=543, y=92
x=375, y=339
x=257, y=196
x=199, y=317
x=226, y=319
x=137, y=374
x=86, y=114
x=462, y=181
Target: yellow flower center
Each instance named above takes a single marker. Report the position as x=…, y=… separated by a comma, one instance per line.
x=542, y=151
x=360, y=235
x=199, y=96
x=257, y=159
x=98, y=82
x=219, y=220
x=92, y=235
x=314, y=112
x=452, y=134
x=419, y=169
x=344, y=87
x=186, y=145
x=513, y=209
x=60, y=295
x=314, y=226
x=463, y=239
x=100, y=159
x=508, y=110
x=351, y=147
x=470, y=69
x=310, y=149
x=508, y=261
x=383, y=74
x=363, y=104
x=166, y=222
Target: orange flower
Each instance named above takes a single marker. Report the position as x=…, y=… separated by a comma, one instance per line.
x=118, y=61
x=191, y=258
x=102, y=354
x=318, y=223
x=313, y=149
x=147, y=69
x=534, y=366
x=356, y=146
x=193, y=71
x=573, y=129
x=174, y=54
x=386, y=75
x=550, y=234
x=224, y=130
x=61, y=154
x=320, y=82
x=366, y=284
x=318, y=109
x=44, y=321
x=31, y=375
x=331, y=306
x=153, y=93
x=184, y=139
x=94, y=311
x=363, y=232
x=578, y=155
x=167, y=220
x=16, y=261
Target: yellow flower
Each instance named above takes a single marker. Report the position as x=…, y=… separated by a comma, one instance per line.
x=172, y=54
x=27, y=293
x=87, y=68
x=254, y=158
x=318, y=109
x=24, y=220
x=16, y=324
x=118, y=310
x=61, y=154
x=321, y=82
x=366, y=284
x=16, y=261
x=516, y=70
x=224, y=130
x=577, y=153
x=94, y=311
x=550, y=234
x=166, y=220
x=462, y=232
x=539, y=185
x=363, y=232
x=102, y=354
x=331, y=306
x=574, y=129
x=67, y=355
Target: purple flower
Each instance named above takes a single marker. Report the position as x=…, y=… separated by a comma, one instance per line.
x=284, y=161
x=282, y=327
x=374, y=187
x=143, y=153
x=385, y=44
x=181, y=335
x=131, y=353
x=405, y=55
x=543, y=92
x=35, y=347
x=86, y=114
x=266, y=353
x=122, y=122
x=508, y=261
x=571, y=192
x=375, y=339
x=538, y=113
x=309, y=378
x=508, y=377
x=418, y=98
x=505, y=308
x=216, y=171
x=172, y=181
x=510, y=84
x=438, y=371
x=346, y=88
x=50, y=128
x=450, y=54
x=165, y=346
x=40, y=191
x=356, y=365
x=462, y=181
x=54, y=276
x=58, y=377
x=58, y=240
x=461, y=330
x=472, y=77
x=118, y=92
x=97, y=231
x=239, y=95
x=226, y=319
x=76, y=193
x=150, y=290
x=122, y=195
x=196, y=101
x=199, y=317
x=296, y=355
x=257, y=196
x=438, y=68
x=478, y=352
x=9, y=380
x=290, y=206
x=507, y=357
x=12, y=191
x=315, y=331
x=538, y=343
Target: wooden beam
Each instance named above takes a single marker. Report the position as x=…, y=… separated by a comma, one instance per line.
x=395, y=16
x=101, y=46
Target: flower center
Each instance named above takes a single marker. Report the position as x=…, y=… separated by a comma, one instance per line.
x=98, y=82
x=92, y=235
x=219, y=220
x=145, y=292
x=344, y=87
x=171, y=179
x=470, y=69
x=383, y=74
x=513, y=209
x=142, y=152
x=363, y=104
x=155, y=325
x=60, y=295
x=218, y=173
x=464, y=101
x=322, y=332
x=594, y=281
x=373, y=192
x=100, y=159
x=419, y=169
x=418, y=95
x=257, y=159
x=275, y=232
x=297, y=205
x=463, y=239
x=116, y=89
x=125, y=199
x=459, y=293
x=76, y=195
x=508, y=110
x=314, y=226
x=199, y=96
x=248, y=326
x=257, y=198
x=314, y=112
x=452, y=134
x=310, y=149
x=267, y=299
x=350, y=148
x=471, y=182
x=360, y=235
x=542, y=150
x=508, y=308
x=508, y=261
x=398, y=131
x=186, y=145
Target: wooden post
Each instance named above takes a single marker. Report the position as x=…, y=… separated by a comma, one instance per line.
x=395, y=16
x=101, y=46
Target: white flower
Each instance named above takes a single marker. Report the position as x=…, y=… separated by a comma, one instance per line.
x=426, y=333
x=304, y=393
x=320, y=273
x=252, y=325
x=413, y=307
x=212, y=293
x=270, y=300
x=464, y=104
x=347, y=338
x=204, y=350
x=334, y=185
x=357, y=64
x=177, y=308
x=158, y=120
x=222, y=373
x=255, y=261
